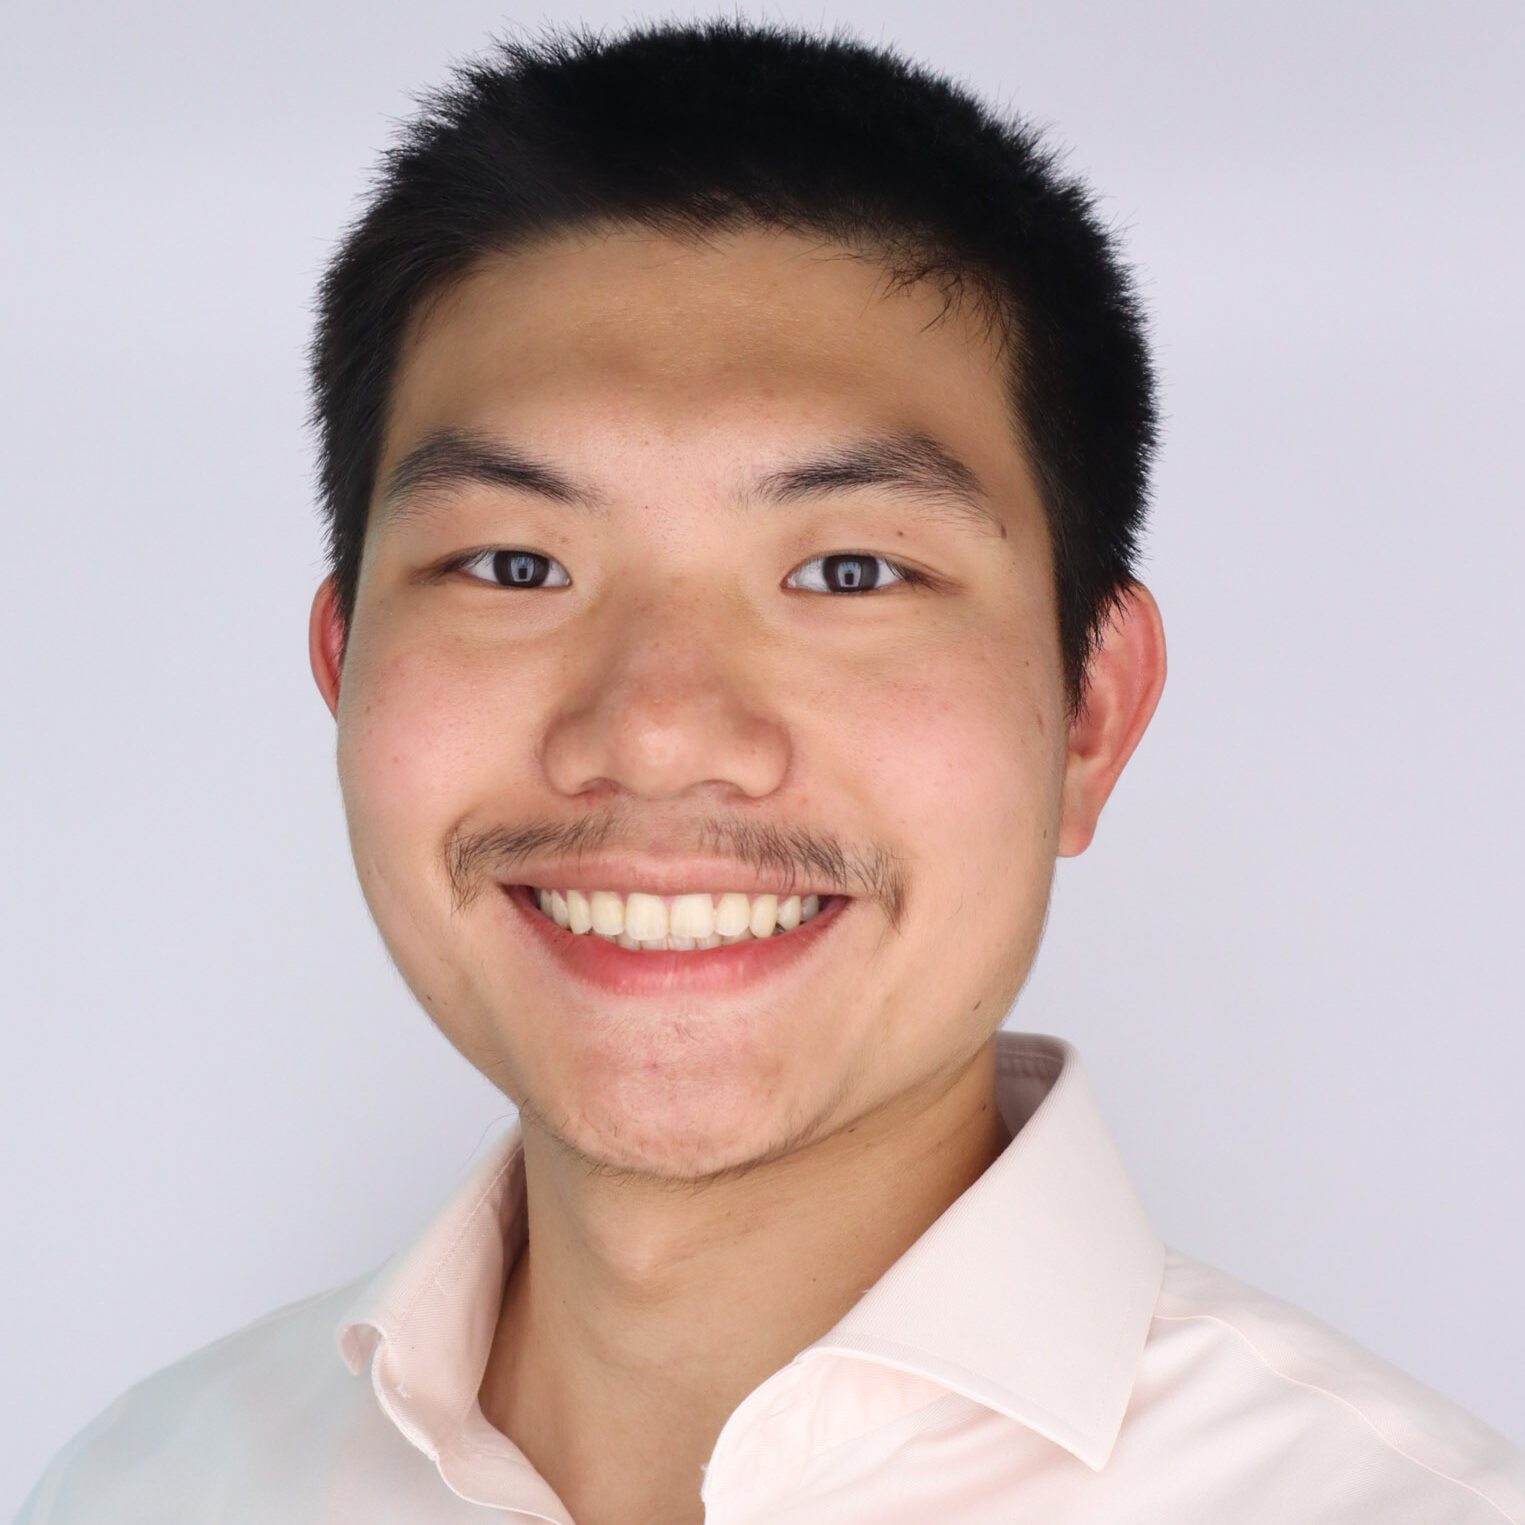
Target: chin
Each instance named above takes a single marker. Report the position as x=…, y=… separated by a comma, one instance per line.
x=683, y=1097
x=648, y=1126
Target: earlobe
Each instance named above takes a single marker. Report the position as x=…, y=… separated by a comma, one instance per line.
x=1125, y=676
x=325, y=642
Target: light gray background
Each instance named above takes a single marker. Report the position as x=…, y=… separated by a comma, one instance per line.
x=1291, y=958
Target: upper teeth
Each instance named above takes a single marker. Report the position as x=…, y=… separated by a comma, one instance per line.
x=676, y=921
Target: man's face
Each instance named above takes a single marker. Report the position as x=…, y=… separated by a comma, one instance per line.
x=671, y=690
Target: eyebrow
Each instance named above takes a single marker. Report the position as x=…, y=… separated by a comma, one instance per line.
x=911, y=465
x=459, y=458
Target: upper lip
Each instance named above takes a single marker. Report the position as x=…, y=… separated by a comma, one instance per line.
x=645, y=877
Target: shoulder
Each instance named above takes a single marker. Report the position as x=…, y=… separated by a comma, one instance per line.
x=1297, y=1399
x=174, y=1445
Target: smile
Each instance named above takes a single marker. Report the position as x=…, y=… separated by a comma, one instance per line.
x=676, y=923
x=631, y=962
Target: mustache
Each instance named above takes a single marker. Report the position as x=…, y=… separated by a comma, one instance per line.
x=476, y=859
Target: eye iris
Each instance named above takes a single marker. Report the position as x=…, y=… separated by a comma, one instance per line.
x=850, y=574
x=520, y=569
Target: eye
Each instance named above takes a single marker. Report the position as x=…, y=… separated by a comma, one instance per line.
x=515, y=569
x=855, y=572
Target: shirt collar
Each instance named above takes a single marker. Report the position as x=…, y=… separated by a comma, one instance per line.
x=425, y=1322
x=1032, y=1294
x=1034, y=1291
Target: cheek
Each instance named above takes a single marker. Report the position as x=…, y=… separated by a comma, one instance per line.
x=419, y=736
x=959, y=764
x=960, y=746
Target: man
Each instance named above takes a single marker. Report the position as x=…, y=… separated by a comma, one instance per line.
x=734, y=447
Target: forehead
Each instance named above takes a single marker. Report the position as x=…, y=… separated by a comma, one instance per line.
x=752, y=335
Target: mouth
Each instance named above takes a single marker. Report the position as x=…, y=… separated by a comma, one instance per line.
x=657, y=944
x=676, y=923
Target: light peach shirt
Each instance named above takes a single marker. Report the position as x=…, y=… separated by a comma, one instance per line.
x=1036, y=1358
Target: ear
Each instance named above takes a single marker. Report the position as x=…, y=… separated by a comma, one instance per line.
x=325, y=642
x=1124, y=679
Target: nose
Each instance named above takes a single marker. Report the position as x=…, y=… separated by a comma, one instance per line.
x=667, y=698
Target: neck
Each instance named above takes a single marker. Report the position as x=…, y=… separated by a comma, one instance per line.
x=641, y=1312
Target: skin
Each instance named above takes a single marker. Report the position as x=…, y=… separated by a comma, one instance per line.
x=714, y=1180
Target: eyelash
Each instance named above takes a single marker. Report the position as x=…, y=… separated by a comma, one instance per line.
x=905, y=575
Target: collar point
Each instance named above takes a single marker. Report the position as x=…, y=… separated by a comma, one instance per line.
x=357, y=1344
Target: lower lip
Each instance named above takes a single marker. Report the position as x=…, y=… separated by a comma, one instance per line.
x=630, y=971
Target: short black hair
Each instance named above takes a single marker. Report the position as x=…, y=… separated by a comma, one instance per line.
x=694, y=128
